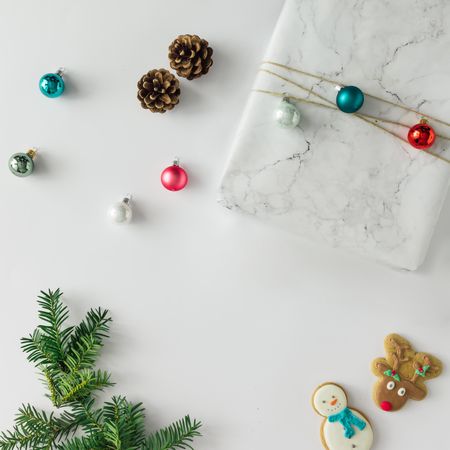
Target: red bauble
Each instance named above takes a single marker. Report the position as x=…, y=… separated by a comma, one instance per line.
x=174, y=178
x=421, y=136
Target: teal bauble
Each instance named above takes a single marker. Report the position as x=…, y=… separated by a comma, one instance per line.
x=22, y=164
x=287, y=115
x=51, y=85
x=349, y=99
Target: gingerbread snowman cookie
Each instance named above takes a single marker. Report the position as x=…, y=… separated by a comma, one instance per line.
x=402, y=374
x=343, y=428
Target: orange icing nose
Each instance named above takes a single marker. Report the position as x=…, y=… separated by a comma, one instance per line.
x=333, y=402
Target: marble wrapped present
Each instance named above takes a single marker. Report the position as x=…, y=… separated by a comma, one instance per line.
x=334, y=178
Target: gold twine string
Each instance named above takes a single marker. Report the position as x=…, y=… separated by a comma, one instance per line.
x=310, y=91
x=299, y=99
x=360, y=116
x=332, y=106
x=329, y=80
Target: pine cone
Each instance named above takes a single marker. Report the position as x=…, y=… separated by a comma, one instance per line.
x=158, y=91
x=190, y=56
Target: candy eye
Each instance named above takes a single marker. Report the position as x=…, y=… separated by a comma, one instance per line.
x=401, y=392
x=333, y=396
x=323, y=401
x=390, y=385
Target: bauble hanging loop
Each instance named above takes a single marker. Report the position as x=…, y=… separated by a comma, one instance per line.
x=52, y=84
x=287, y=114
x=22, y=164
x=421, y=135
x=121, y=212
x=174, y=177
x=349, y=99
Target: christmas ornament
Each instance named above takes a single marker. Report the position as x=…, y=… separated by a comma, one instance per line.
x=190, y=56
x=174, y=178
x=22, y=164
x=349, y=99
x=158, y=91
x=287, y=115
x=421, y=135
x=121, y=212
x=52, y=84
x=66, y=358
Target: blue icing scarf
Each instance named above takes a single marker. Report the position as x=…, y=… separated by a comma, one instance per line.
x=346, y=418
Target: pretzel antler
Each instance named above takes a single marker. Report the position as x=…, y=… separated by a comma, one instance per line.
x=398, y=357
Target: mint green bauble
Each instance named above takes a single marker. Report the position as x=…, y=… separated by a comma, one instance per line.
x=22, y=164
x=287, y=115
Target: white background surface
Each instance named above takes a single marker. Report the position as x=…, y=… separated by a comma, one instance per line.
x=215, y=315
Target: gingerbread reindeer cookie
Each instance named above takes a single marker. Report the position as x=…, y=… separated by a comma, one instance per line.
x=343, y=428
x=402, y=374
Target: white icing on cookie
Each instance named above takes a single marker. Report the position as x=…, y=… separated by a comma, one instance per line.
x=329, y=399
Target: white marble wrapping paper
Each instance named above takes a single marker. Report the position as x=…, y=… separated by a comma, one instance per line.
x=336, y=179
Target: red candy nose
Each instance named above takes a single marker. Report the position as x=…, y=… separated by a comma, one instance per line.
x=386, y=406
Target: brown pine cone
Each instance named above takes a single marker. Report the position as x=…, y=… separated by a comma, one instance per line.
x=190, y=56
x=158, y=91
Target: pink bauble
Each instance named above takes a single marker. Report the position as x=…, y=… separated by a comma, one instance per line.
x=174, y=178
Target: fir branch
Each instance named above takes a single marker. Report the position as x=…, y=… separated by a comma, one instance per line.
x=79, y=385
x=89, y=418
x=67, y=424
x=35, y=426
x=36, y=430
x=66, y=358
x=86, y=340
x=83, y=443
x=36, y=349
x=54, y=313
x=178, y=435
x=124, y=424
x=73, y=386
x=51, y=386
